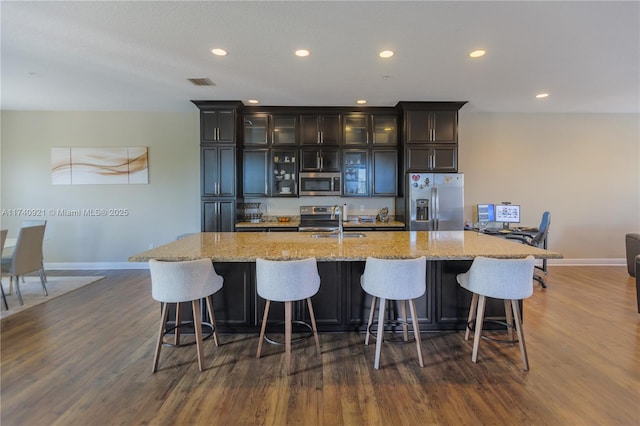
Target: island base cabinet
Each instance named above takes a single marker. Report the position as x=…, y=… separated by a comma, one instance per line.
x=341, y=305
x=359, y=305
x=232, y=306
x=327, y=304
x=453, y=301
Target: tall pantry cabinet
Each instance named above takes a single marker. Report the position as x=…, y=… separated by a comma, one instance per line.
x=219, y=166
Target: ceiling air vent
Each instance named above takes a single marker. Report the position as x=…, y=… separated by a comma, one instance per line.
x=201, y=82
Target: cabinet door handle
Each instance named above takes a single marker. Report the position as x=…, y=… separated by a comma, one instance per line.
x=319, y=140
x=273, y=137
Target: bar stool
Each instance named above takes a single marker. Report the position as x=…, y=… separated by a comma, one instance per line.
x=394, y=279
x=186, y=281
x=507, y=279
x=287, y=281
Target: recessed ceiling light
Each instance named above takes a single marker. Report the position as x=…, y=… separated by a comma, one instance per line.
x=361, y=101
x=477, y=53
x=219, y=52
x=386, y=54
x=302, y=53
x=253, y=101
x=542, y=95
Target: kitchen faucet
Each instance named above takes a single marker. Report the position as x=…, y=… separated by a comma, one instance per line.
x=337, y=209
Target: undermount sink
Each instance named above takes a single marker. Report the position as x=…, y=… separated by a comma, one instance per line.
x=335, y=235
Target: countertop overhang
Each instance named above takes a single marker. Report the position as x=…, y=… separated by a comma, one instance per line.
x=434, y=245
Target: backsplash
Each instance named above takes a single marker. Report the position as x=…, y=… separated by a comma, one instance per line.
x=355, y=206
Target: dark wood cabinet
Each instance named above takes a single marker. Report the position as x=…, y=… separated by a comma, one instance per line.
x=233, y=305
x=370, y=130
x=355, y=173
x=255, y=172
x=327, y=303
x=430, y=135
x=269, y=172
x=320, y=159
x=427, y=126
x=218, y=215
x=218, y=171
x=384, y=171
x=433, y=158
x=320, y=129
x=218, y=126
x=270, y=129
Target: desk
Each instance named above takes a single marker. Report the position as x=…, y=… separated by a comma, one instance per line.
x=516, y=234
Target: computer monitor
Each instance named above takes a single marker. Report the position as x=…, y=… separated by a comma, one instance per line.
x=486, y=213
x=507, y=213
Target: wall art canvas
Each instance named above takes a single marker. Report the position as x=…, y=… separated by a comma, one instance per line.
x=89, y=165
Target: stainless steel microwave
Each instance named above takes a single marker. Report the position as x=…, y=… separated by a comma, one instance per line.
x=320, y=183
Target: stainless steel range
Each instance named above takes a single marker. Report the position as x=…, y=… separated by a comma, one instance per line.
x=319, y=219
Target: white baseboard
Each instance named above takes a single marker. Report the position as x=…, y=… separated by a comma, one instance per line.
x=87, y=266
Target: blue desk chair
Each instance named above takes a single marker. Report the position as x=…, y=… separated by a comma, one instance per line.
x=539, y=239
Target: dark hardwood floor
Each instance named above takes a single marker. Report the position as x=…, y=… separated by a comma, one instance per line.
x=85, y=359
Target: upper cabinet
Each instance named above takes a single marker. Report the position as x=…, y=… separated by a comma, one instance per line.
x=270, y=129
x=370, y=129
x=425, y=126
x=218, y=121
x=430, y=135
x=320, y=129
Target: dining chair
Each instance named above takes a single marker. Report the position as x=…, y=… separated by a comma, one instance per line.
x=27, y=257
x=3, y=238
x=34, y=222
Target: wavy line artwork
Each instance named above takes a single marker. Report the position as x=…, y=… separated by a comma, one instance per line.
x=88, y=165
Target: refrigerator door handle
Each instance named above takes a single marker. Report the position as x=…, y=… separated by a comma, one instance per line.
x=435, y=207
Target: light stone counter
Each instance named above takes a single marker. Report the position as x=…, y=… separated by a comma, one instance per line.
x=247, y=246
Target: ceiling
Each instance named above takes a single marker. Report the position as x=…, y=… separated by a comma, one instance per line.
x=137, y=56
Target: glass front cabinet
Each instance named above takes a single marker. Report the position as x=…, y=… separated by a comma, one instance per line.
x=355, y=173
x=284, y=168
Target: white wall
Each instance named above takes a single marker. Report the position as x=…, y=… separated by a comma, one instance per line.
x=168, y=206
x=584, y=168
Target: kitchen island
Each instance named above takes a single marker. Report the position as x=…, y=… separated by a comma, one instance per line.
x=341, y=305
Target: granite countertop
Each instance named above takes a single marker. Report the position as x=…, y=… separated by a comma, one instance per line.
x=247, y=246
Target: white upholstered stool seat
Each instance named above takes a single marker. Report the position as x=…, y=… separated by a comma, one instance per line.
x=394, y=279
x=187, y=281
x=507, y=279
x=287, y=281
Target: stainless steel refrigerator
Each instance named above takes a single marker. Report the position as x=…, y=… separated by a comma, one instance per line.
x=435, y=201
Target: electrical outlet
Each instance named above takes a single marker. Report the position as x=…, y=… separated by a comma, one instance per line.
x=362, y=207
